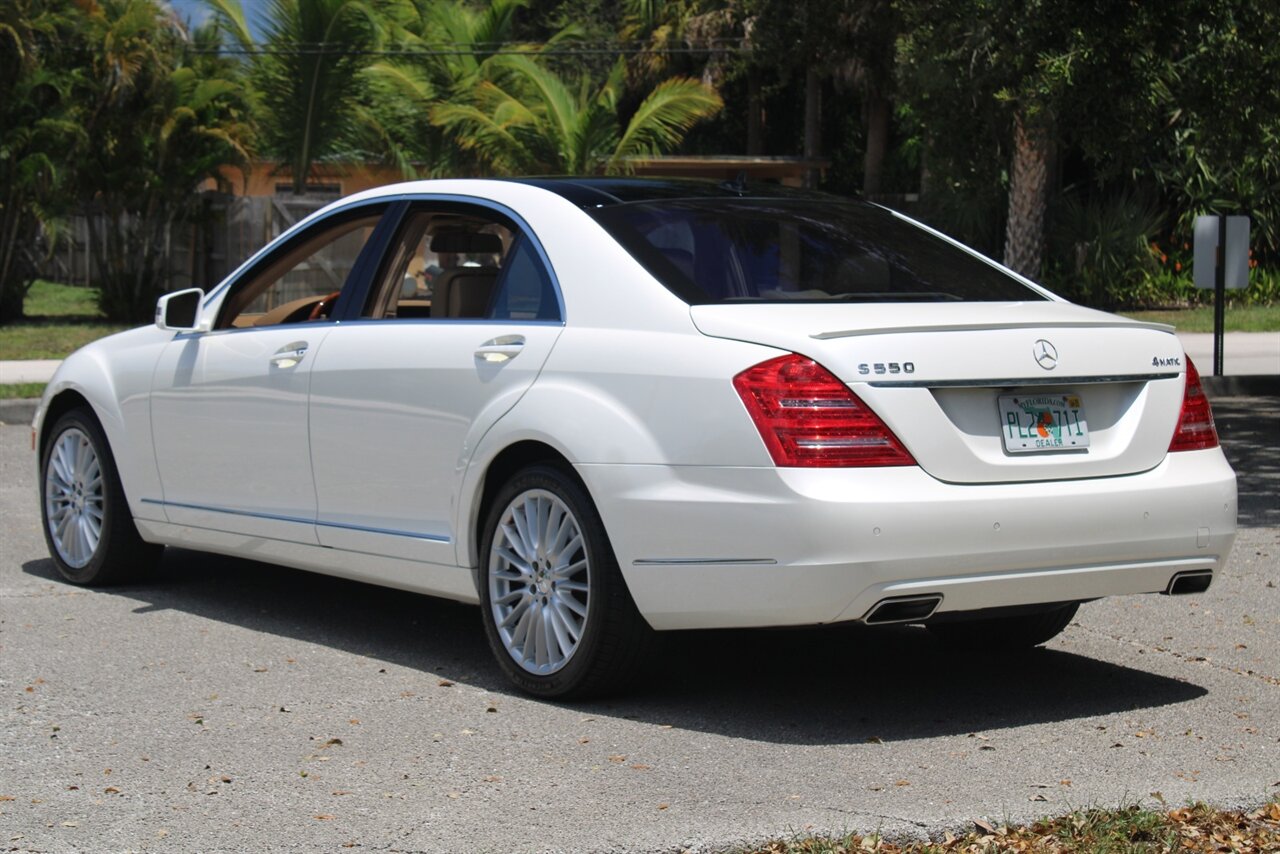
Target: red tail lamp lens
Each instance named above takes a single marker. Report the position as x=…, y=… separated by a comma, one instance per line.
x=1195, y=423
x=809, y=418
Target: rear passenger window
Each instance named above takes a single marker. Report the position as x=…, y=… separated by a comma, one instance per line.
x=456, y=262
x=524, y=290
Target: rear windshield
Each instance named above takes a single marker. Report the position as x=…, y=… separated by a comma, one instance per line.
x=770, y=250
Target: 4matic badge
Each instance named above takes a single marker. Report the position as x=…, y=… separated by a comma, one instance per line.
x=1168, y=362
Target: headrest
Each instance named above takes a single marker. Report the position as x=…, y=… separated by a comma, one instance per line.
x=471, y=242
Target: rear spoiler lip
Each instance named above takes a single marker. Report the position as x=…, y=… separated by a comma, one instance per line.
x=986, y=327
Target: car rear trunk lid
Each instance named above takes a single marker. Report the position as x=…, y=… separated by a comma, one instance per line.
x=939, y=373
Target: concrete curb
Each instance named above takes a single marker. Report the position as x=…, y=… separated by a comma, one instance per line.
x=1266, y=385
x=18, y=411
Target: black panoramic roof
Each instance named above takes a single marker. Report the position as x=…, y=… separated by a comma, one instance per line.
x=605, y=191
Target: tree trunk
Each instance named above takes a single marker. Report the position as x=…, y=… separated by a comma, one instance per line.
x=1028, y=196
x=878, y=111
x=926, y=177
x=812, y=123
x=755, y=113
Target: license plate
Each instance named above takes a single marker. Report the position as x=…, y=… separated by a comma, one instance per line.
x=1042, y=422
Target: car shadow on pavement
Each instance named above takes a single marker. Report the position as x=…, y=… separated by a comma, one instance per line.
x=1249, y=428
x=834, y=685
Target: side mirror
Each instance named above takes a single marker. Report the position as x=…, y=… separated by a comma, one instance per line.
x=180, y=311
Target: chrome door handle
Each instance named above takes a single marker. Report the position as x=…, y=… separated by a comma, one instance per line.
x=500, y=349
x=289, y=355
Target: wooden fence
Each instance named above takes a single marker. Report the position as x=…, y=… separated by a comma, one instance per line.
x=230, y=229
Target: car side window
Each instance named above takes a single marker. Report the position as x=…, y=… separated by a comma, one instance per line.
x=453, y=262
x=524, y=289
x=302, y=279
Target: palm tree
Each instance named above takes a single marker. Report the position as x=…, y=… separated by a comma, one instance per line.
x=1028, y=195
x=154, y=128
x=310, y=79
x=447, y=43
x=523, y=118
x=35, y=78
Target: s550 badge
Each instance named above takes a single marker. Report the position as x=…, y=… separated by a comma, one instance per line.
x=887, y=368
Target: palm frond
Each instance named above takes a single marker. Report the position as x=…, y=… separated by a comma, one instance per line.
x=664, y=117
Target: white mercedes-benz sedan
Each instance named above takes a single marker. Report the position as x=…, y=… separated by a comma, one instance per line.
x=602, y=407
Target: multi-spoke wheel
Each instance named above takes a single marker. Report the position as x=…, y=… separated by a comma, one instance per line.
x=556, y=610
x=87, y=525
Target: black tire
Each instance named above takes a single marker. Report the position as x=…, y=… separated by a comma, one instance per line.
x=119, y=555
x=612, y=639
x=1005, y=634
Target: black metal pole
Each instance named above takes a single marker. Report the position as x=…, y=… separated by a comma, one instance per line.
x=1219, y=295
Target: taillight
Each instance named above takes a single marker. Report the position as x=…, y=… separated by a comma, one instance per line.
x=1195, y=422
x=807, y=417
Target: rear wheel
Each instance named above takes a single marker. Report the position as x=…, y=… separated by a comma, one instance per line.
x=87, y=524
x=1005, y=634
x=556, y=611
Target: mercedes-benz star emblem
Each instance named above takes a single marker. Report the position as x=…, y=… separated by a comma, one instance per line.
x=1046, y=354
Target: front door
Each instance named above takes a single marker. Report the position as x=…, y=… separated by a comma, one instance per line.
x=229, y=406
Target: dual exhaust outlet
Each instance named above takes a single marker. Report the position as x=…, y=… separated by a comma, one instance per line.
x=915, y=609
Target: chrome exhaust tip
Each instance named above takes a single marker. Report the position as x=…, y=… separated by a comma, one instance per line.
x=1192, y=581
x=903, y=609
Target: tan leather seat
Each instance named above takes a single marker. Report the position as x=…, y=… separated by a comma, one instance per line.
x=463, y=291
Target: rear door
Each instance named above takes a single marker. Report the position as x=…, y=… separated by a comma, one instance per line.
x=456, y=327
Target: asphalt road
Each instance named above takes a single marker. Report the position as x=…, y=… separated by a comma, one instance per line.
x=235, y=706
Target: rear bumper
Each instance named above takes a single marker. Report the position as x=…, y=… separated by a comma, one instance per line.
x=735, y=547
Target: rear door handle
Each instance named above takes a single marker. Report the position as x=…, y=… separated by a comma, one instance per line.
x=500, y=349
x=289, y=355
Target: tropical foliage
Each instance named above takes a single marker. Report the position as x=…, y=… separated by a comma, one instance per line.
x=1067, y=139
x=35, y=123
x=522, y=118
x=309, y=78
x=155, y=124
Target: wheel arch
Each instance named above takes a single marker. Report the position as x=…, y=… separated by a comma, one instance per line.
x=511, y=459
x=60, y=404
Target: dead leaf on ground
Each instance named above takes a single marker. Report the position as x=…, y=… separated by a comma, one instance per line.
x=617, y=758
x=444, y=683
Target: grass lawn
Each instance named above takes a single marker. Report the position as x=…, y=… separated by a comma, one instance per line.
x=1257, y=318
x=20, y=391
x=60, y=319
x=1129, y=830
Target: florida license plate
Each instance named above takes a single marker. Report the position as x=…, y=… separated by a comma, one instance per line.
x=1042, y=422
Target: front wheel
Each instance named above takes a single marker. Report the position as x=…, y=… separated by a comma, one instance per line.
x=87, y=524
x=556, y=611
